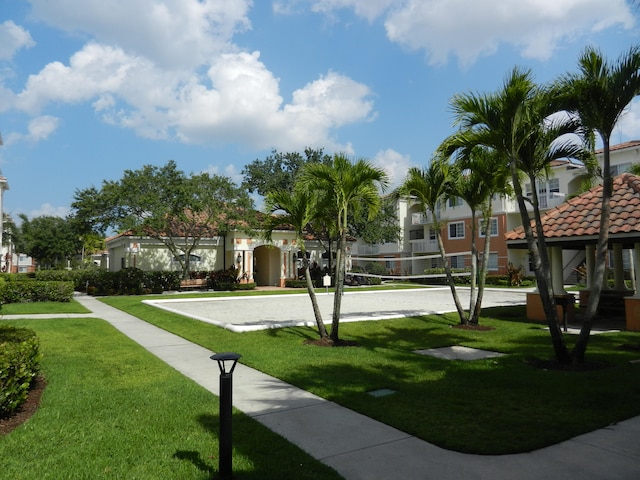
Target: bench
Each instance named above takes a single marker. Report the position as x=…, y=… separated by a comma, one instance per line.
x=193, y=283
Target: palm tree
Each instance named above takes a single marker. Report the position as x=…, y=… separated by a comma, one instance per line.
x=299, y=211
x=430, y=187
x=482, y=175
x=347, y=186
x=599, y=94
x=515, y=123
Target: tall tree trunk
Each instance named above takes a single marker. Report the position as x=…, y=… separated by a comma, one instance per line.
x=452, y=284
x=474, y=268
x=337, y=297
x=322, y=330
x=600, y=270
x=474, y=314
x=538, y=251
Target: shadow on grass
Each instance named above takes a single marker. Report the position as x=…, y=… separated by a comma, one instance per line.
x=196, y=460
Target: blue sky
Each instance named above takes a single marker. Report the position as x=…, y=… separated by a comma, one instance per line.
x=89, y=88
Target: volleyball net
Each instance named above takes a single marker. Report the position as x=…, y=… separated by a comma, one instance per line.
x=409, y=268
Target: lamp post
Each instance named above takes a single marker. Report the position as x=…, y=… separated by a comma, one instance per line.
x=227, y=363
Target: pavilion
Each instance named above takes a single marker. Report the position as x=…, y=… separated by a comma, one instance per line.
x=574, y=225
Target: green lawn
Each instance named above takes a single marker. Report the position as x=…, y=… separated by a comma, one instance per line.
x=33, y=308
x=494, y=406
x=113, y=410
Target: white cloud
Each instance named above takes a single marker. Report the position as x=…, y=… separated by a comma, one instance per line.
x=395, y=164
x=46, y=209
x=237, y=99
x=629, y=124
x=12, y=39
x=244, y=105
x=94, y=70
x=39, y=128
x=171, y=33
x=469, y=30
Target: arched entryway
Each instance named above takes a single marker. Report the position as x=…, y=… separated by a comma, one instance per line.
x=266, y=266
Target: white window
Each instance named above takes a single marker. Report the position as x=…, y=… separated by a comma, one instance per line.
x=619, y=169
x=432, y=235
x=493, y=261
x=455, y=201
x=456, y=230
x=192, y=258
x=493, y=227
x=457, y=262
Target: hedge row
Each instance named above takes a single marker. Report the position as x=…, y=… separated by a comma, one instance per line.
x=132, y=281
x=19, y=365
x=35, y=291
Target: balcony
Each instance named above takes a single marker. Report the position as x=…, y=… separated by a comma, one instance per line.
x=420, y=219
x=424, y=246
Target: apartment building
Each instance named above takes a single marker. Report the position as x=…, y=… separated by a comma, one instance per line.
x=418, y=243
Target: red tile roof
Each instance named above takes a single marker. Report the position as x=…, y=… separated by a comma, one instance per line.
x=621, y=146
x=579, y=218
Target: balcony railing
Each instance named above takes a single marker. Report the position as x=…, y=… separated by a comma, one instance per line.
x=422, y=246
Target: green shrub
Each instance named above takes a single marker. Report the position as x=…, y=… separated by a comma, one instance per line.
x=19, y=365
x=245, y=286
x=224, y=279
x=158, y=282
x=375, y=268
x=295, y=283
x=35, y=291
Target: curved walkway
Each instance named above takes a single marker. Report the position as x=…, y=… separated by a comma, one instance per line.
x=360, y=448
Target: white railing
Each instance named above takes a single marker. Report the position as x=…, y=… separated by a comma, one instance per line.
x=422, y=246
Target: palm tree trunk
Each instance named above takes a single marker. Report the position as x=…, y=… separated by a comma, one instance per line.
x=337, y=297
x=600, y=270
x=452, y=285
x=322, y=330
x=474, y=268
x=474, y=314
x=538, y=252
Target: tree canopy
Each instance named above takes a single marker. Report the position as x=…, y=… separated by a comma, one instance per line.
x=51, y=241
x=166, y=204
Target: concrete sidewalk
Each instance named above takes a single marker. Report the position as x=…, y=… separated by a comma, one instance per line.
x=360, y=448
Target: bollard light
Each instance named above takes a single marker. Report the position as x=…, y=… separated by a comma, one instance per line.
x=227, y=363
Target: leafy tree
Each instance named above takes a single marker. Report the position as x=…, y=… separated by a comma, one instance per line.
x=383, y=227
x=51, y=241
x=299, y=211
x=347, y=186
x=164, y=203
x=279, y=171
x=599, y=94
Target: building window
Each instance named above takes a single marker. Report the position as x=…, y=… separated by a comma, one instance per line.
x=192, y=258
x=456, y=230
x=432, y=235
x=493, y=262
x=493, y=227
x=455, y=201
x=619, y=169
x=457, y=262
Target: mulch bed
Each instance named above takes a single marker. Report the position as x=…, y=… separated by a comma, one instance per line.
x=478, y=328
x=28, y=408
x=327, y=342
